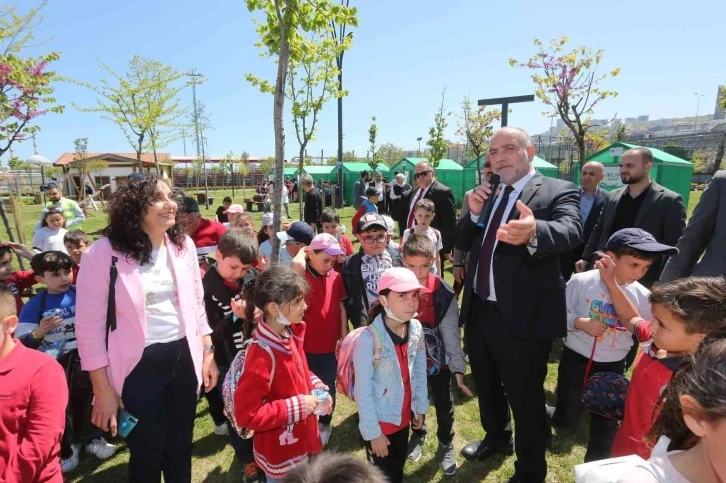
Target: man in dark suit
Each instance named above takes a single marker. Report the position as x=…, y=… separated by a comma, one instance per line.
x=427, y=186
x=641, y=203
x=591, y=200
x=514, y=299
x=705, y=235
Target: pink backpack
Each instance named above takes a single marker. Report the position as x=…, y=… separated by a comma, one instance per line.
x=345, y=377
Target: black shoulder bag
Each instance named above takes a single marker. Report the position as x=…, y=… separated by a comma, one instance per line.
x=111, y=309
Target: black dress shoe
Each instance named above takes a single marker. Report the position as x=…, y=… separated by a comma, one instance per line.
x=481, y=450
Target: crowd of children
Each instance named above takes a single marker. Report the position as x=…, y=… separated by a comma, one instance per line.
x=288, y=321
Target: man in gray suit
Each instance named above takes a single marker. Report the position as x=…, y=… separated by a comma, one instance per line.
x=641, y=203
x=359, y=189
x=706, y=230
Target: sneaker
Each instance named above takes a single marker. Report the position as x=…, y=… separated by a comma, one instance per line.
x=415, y=445
x=222, y=429
x=325, y=430
x=448, y=460
x=252, y=473
x=101, y=449
x=69, y=464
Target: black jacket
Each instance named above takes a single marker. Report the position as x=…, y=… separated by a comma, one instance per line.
x=445, y=219
x=217, y=298
x=353, y=281
x=530, y=289
x=313, y=207
x=570, y=258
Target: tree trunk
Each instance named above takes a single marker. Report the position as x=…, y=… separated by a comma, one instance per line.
x=278, y=122
x=300, y=167
x=719, y=154
x=581, y=148
x=9, y=229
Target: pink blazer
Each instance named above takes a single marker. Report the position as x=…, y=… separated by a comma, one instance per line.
x=126, y=343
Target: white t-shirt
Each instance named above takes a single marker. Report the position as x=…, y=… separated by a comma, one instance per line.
x=47, y=239
x=588, y=297
x=161, y=298
x=658, y=469
x=285, y=199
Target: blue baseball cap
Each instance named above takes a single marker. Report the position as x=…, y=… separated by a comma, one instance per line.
x=639, y=240
x=299, y=232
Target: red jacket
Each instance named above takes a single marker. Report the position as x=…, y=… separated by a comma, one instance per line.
x=33, y=399
x=284, y=433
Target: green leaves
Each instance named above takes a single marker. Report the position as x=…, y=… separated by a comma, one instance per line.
x=475, y=126
x=437, y=142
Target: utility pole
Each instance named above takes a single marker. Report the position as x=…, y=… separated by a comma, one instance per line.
x=184, y=140
x=698, y=104
x=504, y=102
x=337, y=32
x=197, y=133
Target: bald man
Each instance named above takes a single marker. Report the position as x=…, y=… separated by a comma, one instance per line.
x=592, y=198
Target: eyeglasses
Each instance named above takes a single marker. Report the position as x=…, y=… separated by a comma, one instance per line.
x=370, y=240
x=422, y=174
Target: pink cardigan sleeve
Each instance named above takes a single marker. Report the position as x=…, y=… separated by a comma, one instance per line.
x=199, y=308
x=91, y=305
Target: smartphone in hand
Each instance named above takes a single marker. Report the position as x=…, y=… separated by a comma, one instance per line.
x=126, y=423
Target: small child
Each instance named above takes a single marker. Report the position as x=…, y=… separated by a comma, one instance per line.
x=692, y=414
x=326, y=319
x=684, y=313
x=366, y=267
x=18, y=281
x=391, y=393
x=368, y=206
x=592, y=322
x=55, y=334
x=243, y=220
x=35, y=396
x=424, y=213
x=438, y=313
x=281, y=409
x=75, y=242
x=267, y=203
x=335, y=468
x=292, y=240
x=232, y=213
x=234, y=257
x=49, y=237
x=391, y=246
x=222, y=210
x=331, y=225
x=265, y=232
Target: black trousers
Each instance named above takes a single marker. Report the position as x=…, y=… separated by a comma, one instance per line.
x=392, y=465
x=570, y=374
x=79, y=429
x=216, y=407
x=509, y=372
x=325, y=367
x=161, y=392
x=440, y=391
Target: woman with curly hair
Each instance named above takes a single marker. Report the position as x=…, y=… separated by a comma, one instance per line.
x=154, y=350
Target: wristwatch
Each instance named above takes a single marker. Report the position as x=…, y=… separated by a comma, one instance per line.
x=208, y=348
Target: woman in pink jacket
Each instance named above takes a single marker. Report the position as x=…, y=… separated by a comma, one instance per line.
x=153, y=362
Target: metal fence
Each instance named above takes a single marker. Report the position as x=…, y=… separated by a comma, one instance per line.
x=20, y=182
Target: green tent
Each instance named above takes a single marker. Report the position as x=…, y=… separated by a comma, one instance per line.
x=290, y=173
x=668, y=170
x=449, y=172
x=471, y=177
x=351, y=174
x=326, y=173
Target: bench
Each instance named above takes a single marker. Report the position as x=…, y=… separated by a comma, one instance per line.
x=249, y=202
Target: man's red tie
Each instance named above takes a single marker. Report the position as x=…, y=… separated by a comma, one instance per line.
x=409, y=223
x=487, y=247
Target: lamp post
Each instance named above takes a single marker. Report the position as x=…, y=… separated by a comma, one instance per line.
x=418, y=153
x=42, y=161
x=698, y=104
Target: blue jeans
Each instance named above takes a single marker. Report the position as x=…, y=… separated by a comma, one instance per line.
x=325, y=366
x=242, y=447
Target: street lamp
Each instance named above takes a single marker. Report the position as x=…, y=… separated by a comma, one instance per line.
x=698, y=104
x=42, y=161
x=418, y=153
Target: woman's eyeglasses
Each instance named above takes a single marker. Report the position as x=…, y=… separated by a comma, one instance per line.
x=422, y=174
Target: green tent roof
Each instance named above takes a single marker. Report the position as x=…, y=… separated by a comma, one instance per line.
x=538, y=163
x=358, y=167
x=604, y=155
x=318, y=169
x=444, y=164
x=289, y=171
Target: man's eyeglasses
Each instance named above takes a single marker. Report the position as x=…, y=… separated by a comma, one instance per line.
x=369, y=240
x=422, y=174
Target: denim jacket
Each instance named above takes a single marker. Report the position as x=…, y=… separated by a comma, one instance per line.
x=379, y=389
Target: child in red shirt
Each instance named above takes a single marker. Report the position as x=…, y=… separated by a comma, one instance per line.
x=274, y=394
x=17, y=282
x=32, y=406
x=331, y=225
x=325, y=317
x=684, y=312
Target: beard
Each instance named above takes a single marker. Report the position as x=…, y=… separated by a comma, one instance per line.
x=631, y=178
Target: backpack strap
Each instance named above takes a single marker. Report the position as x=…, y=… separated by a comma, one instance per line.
x=377, y=344
x=111, y=308
x=589, y=364
x=267, y=349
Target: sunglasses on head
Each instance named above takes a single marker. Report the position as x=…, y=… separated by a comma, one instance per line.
x=421, y=174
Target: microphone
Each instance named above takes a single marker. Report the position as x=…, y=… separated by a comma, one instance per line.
x=486, y=210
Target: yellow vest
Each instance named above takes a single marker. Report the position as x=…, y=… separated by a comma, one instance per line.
x=67, y=206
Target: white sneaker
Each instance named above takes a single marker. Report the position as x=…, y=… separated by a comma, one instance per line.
x=69, y=464
x=101, y=449
x=222, y=430
x=325, y=430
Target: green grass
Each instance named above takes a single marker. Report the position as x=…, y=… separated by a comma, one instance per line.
x=214, y=459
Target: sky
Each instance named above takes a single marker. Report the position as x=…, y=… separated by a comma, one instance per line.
x=404, y=53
